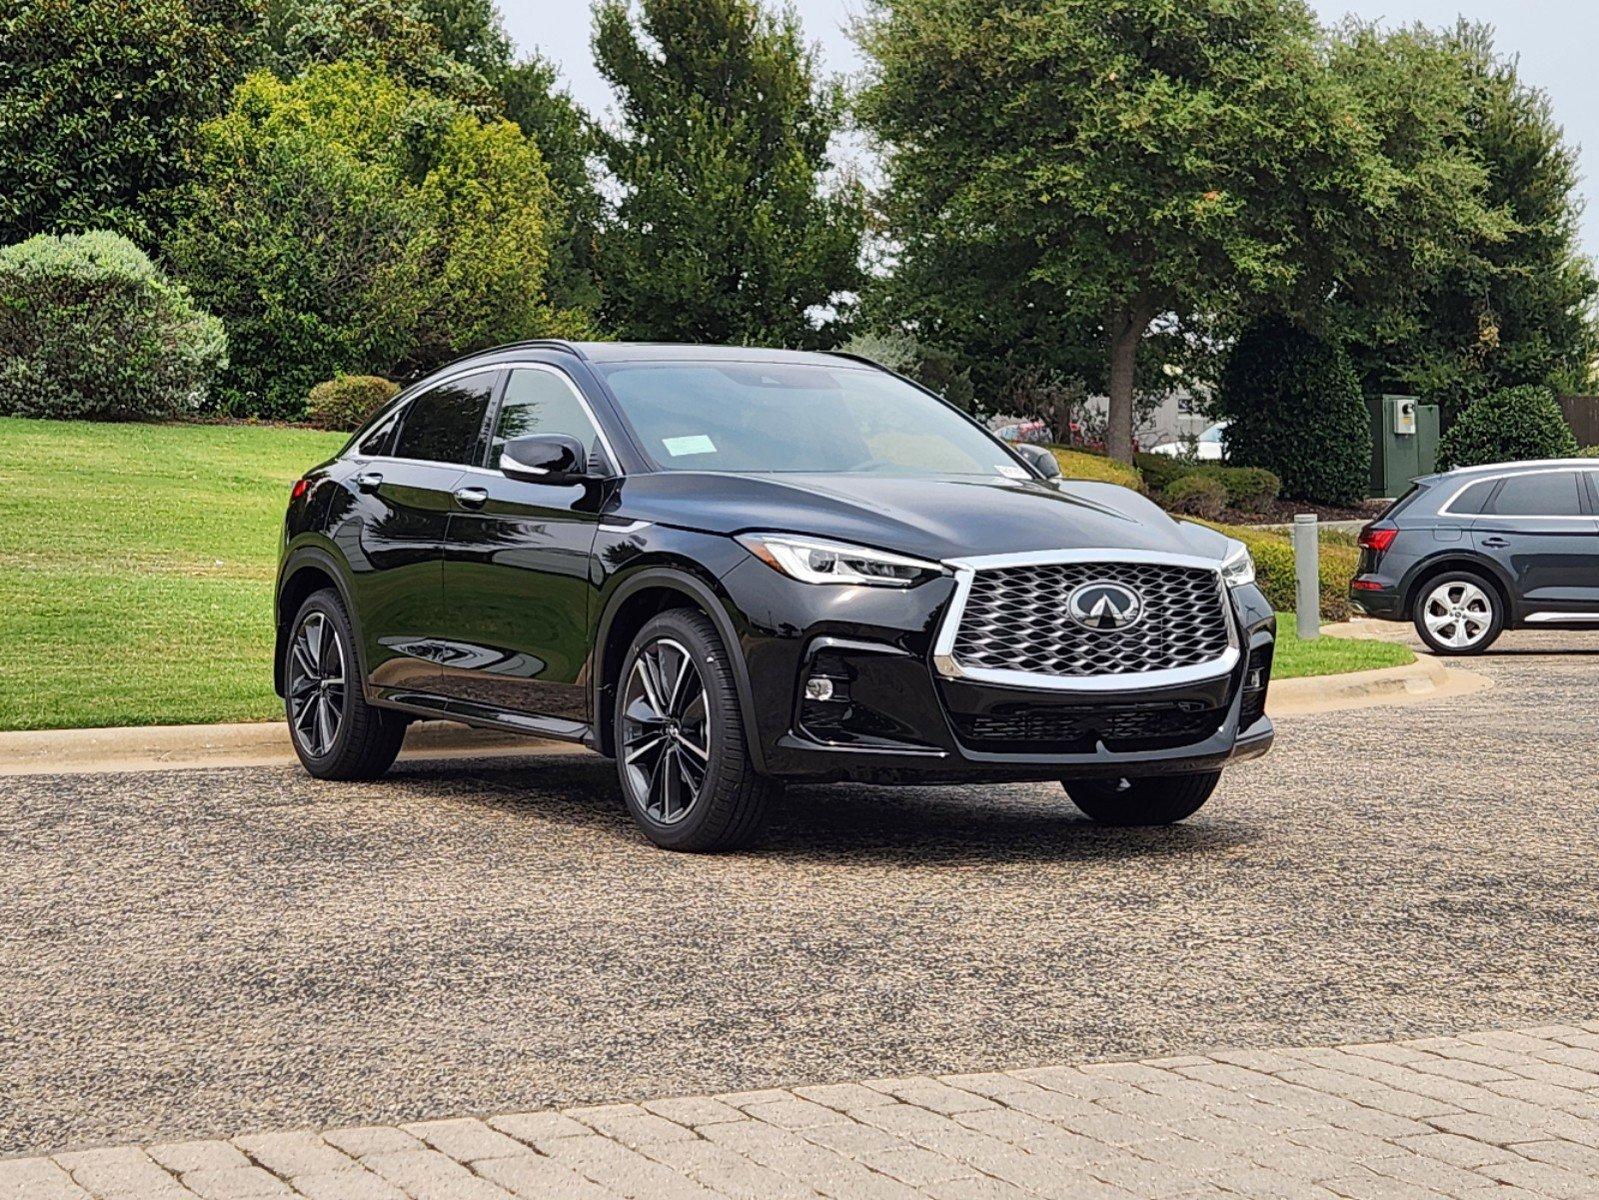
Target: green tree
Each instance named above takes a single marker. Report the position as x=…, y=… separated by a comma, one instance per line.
x=1517, y=305
x=566, y=137
x=725, y=229
x=98, y=102
x=348, y=224
x=1294, y=405
x=1103, y=166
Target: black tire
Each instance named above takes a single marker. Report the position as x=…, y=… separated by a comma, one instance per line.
x=364, y=739
x=726, y=807
x=1151, y=800
x=1478, y=596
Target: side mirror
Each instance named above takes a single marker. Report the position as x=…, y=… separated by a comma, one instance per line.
x=1039, y=458
x=544, y=458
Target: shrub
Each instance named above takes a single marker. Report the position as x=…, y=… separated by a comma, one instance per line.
x=1080, y=464
x=1507, y=426
x=1249, y=489
x=381, y=230
x=1196, y=495
x=1588, y=452
x=1160, y=471
x=1294, y=406
x=343, y=403
x=99, y=99
x=90, y=329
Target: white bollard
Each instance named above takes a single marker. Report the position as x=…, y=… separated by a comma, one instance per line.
x=1307, y=576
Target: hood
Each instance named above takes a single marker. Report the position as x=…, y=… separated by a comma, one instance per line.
x=936, y=518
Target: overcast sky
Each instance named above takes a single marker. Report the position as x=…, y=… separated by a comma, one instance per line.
x=1557, y=41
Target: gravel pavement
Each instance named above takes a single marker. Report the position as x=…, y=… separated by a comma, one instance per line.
x=199, y=953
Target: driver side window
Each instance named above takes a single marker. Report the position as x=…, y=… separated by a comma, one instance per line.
x=542, y=402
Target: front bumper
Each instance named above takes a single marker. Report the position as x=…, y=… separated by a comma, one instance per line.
x=895, y=718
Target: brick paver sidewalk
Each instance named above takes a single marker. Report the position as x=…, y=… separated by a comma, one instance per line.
x=1487, y=1116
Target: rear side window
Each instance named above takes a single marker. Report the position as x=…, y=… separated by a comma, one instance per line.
x=443, y=423
x=377, y=440
x=1546, y=494
x=1475, y=498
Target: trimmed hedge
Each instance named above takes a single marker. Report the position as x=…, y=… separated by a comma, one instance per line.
x=89, y=329
x=1273, y=553
x=344, y=402
x=1249, y=489
x=1080, y=464
x=1196, y=495
x=1507, y=426
x=1294, y=406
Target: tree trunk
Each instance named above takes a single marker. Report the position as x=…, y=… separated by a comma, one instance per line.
x=1126, y=332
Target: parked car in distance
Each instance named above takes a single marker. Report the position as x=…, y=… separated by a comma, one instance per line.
x=1209, y=446
x=729, y=569
x=1467, y=554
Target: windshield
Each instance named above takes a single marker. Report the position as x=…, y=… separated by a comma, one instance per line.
x=758, y=417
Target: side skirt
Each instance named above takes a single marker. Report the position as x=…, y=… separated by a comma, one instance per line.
x=482, y=716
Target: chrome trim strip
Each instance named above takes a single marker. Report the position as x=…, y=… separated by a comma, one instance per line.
x=966, y=569
x=1541, y=617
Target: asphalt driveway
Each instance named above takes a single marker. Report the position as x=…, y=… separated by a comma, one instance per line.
x=195, y=953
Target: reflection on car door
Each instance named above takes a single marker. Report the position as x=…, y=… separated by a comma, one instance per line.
x=1541, y=526
x=517, y=587
x=401, y=496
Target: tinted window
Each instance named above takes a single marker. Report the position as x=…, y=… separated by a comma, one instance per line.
x=1474, y=498
x=442, y=424
x=737, y=416
x=1547, y=494
x=541, y=402
x=380, y=437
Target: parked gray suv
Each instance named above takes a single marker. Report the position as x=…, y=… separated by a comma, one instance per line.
x=1470, y=553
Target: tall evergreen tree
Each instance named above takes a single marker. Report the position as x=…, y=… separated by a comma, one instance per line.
x=726, y=228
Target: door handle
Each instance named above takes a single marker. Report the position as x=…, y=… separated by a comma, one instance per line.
x=369, y=481
x=1495, y=543
x=471, y=497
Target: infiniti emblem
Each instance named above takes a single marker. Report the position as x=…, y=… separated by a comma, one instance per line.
x=1105, y=606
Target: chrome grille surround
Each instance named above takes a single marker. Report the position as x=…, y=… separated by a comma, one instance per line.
x=1008, y=623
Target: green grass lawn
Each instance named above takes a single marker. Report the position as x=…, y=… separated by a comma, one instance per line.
x=136, y=566
x=1330, y=655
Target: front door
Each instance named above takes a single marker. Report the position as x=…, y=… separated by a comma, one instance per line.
x=518, y=586
x=1540, y=527
x=403, y=492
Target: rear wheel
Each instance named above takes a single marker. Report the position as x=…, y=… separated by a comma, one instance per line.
x=336, y=733
x=1459, y=613
x=1150, y=800
x=681, y=753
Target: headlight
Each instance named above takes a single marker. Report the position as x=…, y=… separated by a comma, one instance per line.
x=1237, y=568
x=815, y=560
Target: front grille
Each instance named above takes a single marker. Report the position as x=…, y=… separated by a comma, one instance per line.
x=1016, y=620
x=1079, y=730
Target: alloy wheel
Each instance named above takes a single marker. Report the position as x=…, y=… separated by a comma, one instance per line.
x=1458, y=614
x=316, y=684
x=666, y=731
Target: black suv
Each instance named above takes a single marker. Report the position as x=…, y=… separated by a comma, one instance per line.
x=1468, y=554
x=729, y=568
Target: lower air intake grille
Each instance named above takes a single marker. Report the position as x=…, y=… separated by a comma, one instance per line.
x=1016, y=619
x=1038, y=729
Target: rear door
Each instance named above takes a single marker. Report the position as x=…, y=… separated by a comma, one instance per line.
x=518, y=588
x=405, y=494
x=1540, y=526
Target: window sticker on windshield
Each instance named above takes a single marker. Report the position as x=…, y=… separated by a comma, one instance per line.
x=697, y=444
x=1011, y=472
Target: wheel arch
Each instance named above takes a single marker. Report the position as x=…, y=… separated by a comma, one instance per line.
x=1425, y=572
x=306, y=571
x=641, y=596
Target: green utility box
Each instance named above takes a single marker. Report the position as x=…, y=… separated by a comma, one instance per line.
x=1404, y=442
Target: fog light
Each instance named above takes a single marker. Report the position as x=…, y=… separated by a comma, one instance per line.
x=818, y=687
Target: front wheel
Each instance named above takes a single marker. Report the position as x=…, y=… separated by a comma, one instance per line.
x=1459, y=613
x=1150, y=800
x=687, y=776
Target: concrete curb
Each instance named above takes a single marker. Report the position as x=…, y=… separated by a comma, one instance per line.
x=1425, y=679
x=255, y=744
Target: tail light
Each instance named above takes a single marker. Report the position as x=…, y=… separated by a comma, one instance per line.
x=301, y=486
x=1372, y=538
